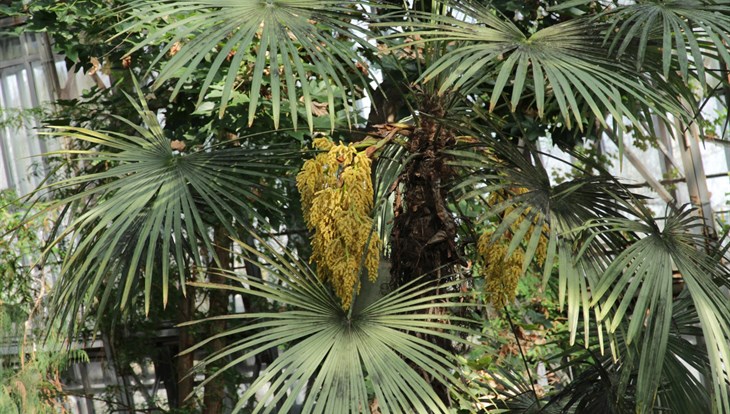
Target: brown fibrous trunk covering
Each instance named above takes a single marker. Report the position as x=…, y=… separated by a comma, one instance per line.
x=423, y=238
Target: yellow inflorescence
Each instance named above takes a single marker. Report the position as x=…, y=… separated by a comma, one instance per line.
x=502, y=273
x=337, y=200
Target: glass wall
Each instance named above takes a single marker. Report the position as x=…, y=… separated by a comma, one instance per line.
x=24, y=90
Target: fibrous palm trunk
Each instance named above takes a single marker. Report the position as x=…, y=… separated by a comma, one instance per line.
x=424, y=230
x=423, y=239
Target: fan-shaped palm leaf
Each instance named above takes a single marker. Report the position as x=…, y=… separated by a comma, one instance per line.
x=609, y=383
x=565, y=208
x=640, y=279
x=595, y=386
x=151, y=205
x=685, y=362
x=684, y=32
x=564, y=63
x=333, y=354
x=291, y=40
x=517, y=395
x=616, y=263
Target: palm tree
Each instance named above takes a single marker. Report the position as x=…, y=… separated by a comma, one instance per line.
x=476, y=88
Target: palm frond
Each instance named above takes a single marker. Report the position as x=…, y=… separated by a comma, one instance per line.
x=517, y=396
x=564, y=63
x=615, y=267
x=333, y=354
x=683, y=33
x=152, y=205
x=598, y=383
x=640, y=279
x=685, y=363
x=389, y=166
x=564, y=208
x=609, y=383
x=290, y=40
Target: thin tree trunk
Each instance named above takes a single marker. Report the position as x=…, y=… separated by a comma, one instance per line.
x=184, y=363
x=215, y=390
x=163, y=361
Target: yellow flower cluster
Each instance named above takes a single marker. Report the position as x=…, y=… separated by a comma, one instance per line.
x=501, y=272
x=337, y=201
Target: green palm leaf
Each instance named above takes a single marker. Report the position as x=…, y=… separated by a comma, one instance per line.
x=640, y=279
x=615, y=266
x=610, y=383
x=682, y=32
x=333, y=354
x=566, y=208
x=564, y=63
x=151, y=205
x=388, y=167
x=291, y=40
x=682, y=390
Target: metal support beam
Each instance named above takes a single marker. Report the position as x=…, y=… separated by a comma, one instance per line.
x=650, y=179
x=694, y=171
x=666, y=160
x=645, y=173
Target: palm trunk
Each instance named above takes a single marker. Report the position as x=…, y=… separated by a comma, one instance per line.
x=423, y=238
x=184, y=363
x=215, y=390
x=424, y=230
